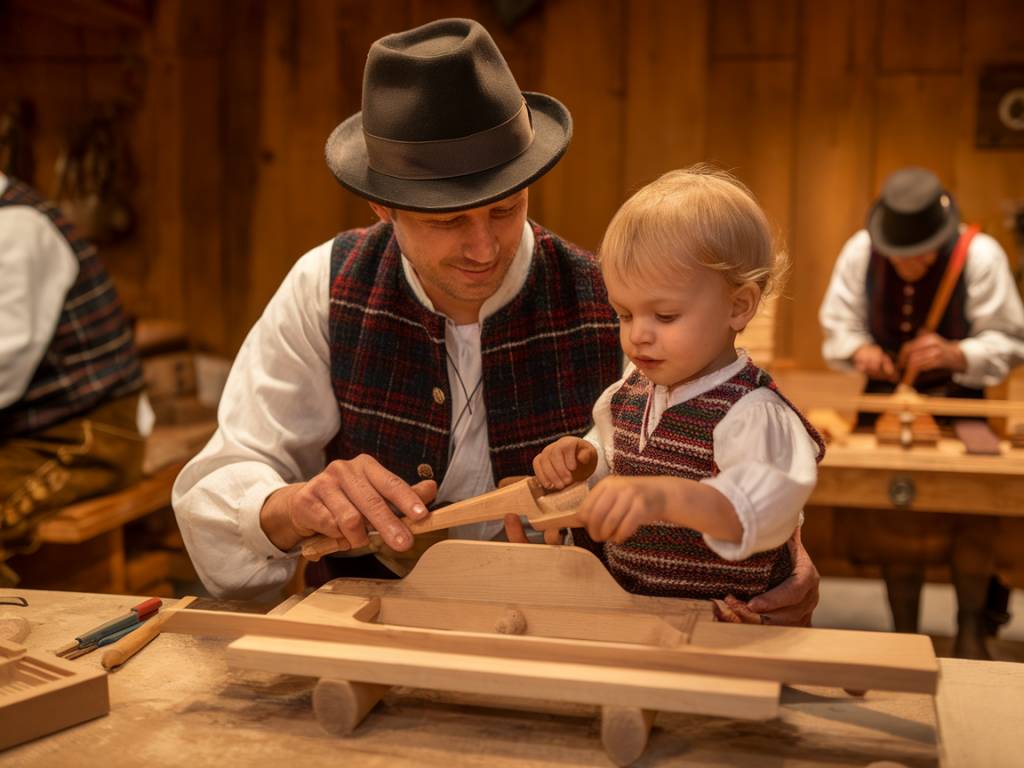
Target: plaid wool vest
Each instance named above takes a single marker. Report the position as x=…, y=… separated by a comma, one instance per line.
x=91, y=357
x=547, y=355
x=670, y=560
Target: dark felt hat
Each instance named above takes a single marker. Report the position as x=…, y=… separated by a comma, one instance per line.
x=913, y=215
x=444, y=125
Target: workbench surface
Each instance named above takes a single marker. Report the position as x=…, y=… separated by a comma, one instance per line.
x=178, y=703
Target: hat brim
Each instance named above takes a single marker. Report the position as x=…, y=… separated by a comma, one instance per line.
x=942, y=236
x=346, y=157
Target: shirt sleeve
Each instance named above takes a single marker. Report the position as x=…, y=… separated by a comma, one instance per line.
x=844, y=310
x=38, y=269
x=276, y=415
x=768, y=468
x=994, y=315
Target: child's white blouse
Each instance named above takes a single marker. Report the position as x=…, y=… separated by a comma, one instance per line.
x=765, y=457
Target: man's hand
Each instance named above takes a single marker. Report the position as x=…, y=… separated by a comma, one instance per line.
x=932, y=352
x=790, y=604
x=340, y=502
x=871, y=360
x=555, y=464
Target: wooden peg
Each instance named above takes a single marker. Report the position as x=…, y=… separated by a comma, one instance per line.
x=624, y=732
x=340, y=706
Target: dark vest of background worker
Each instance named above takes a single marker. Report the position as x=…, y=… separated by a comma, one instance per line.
x=72, y=415
x=873, y=315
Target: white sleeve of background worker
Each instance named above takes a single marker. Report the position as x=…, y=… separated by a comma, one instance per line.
x=276, y=414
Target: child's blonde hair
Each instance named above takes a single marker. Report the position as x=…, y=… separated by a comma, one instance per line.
x=702, y=215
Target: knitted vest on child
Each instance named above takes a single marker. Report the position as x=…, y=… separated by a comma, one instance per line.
x=91, y=357
x=670, y=560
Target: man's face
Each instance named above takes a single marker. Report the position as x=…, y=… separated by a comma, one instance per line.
x=913, y=268
x=461, y=257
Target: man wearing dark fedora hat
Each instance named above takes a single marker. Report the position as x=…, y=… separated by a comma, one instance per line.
x=419, y=360
x=875, y=316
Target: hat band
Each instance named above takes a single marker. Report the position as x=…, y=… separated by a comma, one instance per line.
x=448, y=158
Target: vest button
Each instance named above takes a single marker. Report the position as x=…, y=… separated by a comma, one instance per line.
x=438, y=395
x=425, y=472
x=905, y=326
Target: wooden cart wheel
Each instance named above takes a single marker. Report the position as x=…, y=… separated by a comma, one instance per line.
x=624, y=732
x=340, y=705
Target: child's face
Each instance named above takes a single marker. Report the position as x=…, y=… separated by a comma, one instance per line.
x=677, y=329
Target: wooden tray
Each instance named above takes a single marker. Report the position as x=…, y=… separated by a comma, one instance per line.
x=40, y=694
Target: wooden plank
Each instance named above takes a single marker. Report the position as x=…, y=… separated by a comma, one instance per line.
x=934, y=491
x=947, y=457
x=483, y=674
x=667, y=46
x=969, y=721
x=858, y=660
x=833, y=184
x=754, y=28
x=914, y=38
x=516, y=573
x=82, y=521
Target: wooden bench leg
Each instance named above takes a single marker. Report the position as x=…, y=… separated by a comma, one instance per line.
x=624, y=732
x=340, y=705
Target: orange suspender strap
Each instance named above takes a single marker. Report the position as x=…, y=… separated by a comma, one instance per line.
x=945, y=291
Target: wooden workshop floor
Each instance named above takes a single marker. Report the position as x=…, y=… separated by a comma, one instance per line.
x=861, y=604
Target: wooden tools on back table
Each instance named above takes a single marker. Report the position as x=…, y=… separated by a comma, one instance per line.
x=525, y=498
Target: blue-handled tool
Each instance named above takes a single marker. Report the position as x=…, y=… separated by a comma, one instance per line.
x=90, y=640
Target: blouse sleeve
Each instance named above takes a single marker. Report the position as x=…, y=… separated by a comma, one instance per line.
x=767, y=469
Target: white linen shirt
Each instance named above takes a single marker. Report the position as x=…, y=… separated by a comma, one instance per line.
x=992, y=308
x=766, y=458
x=37, y=269
x=278, y=412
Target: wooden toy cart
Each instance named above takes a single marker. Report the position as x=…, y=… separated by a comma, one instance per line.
x=549, y=623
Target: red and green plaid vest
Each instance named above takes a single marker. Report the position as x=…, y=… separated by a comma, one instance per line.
x=670, y=560
x=91, y=357
x=547, y=356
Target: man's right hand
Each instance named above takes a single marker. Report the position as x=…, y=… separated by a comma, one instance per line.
x=341, y=501
x=873, y=362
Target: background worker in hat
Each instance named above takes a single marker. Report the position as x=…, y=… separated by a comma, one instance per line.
x=882, y=287
x=419, y=360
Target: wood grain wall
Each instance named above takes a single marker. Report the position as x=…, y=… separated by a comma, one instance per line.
x=811, y=103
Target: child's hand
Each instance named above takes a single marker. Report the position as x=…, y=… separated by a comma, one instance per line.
x=619, y=505
x=555, y=464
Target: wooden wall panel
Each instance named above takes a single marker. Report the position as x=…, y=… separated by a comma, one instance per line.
x=754, y=28
x=834, y=160
x=664, y=128
x=579, y=196
x=811, y=104
x=922, y=37
x=990, y=181
x=759, y=150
